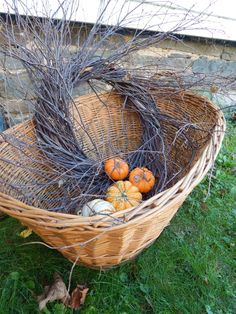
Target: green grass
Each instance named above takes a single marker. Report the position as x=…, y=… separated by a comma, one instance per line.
x=189, y=269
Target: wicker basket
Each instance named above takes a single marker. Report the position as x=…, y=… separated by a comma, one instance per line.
x=96, y=241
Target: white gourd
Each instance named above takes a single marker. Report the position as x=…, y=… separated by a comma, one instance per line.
x=97, y=206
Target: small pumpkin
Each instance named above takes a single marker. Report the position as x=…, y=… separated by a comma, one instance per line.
x=97, y=206
x=116, y=168
x=123, y=195
x=142, y=178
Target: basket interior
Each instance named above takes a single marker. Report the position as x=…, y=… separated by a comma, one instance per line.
x=114, y=131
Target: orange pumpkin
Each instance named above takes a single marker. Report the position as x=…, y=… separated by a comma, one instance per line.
x=143, y=179
x=123, y=195
x=116, y=168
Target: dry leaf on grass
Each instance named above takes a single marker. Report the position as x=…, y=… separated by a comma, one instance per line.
x=57, y=291
x=78, y=296
x=26, y=233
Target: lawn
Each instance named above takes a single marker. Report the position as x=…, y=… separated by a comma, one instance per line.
x=189, y=268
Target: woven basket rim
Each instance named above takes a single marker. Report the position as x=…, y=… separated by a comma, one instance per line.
x=131, y=215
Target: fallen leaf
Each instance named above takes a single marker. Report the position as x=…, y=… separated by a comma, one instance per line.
x=78, y=296
x=26, y=233
x=57, y=291
x=214, y=88
x=222, y=192
x=234, y=116
x=204, y=206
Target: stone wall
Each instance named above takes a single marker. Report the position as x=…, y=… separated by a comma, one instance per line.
x=196, y=55
x=203, y=58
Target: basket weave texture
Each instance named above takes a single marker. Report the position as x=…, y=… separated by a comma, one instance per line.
x=103, y=242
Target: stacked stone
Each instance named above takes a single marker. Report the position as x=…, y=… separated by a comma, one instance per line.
x=196, y=56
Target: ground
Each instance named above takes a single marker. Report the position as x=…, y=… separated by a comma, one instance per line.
x=189, y=268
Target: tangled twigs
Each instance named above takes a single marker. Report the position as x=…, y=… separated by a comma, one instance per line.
x=73, y=137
